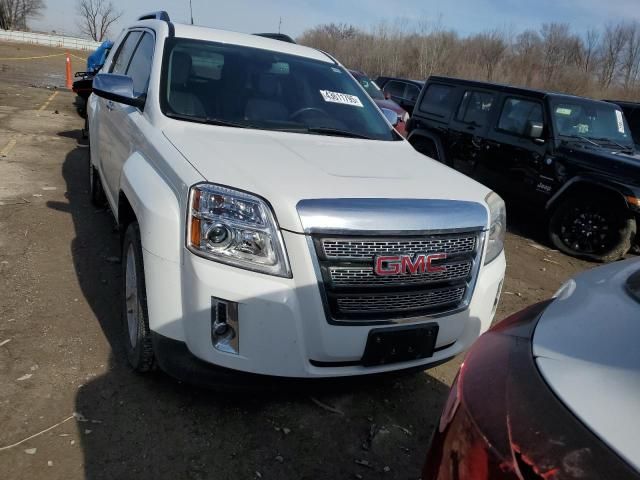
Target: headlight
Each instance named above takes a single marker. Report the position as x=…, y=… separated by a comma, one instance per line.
x=235, y=228
x=405, y=117
x=497, y=226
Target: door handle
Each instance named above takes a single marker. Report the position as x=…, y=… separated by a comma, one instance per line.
x=110, y=105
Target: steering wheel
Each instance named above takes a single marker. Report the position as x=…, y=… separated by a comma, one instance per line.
x=297, y=113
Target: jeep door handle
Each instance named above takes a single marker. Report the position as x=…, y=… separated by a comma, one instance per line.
x=110, y=105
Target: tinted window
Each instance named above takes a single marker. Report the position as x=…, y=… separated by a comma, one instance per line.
x=598, y=122
x=475, y=108
x=121, y=61
x=412, y=92
x=266, y=90
x=140, y=66
x=395, y=88
x=438, y=100
x=517, y=114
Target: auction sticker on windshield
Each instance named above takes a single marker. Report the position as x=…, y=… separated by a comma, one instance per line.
x=342, y=98
x=620, y=121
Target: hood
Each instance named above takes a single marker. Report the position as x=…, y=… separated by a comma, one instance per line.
x=391, y=105
x=286, y=168
x=609, y=162
x=586, y=348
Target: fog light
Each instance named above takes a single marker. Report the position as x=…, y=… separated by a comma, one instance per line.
x=224, y=326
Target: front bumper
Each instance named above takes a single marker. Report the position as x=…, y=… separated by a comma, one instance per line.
x=283, y=330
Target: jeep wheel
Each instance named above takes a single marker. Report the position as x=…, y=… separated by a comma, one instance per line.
x=137, y=335
x=596, y=229
x=96, y=193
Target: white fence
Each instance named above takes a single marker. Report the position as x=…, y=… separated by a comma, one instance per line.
x=49, y=40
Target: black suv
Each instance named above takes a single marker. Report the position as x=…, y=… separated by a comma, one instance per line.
x=401, y=90
x=572, y=158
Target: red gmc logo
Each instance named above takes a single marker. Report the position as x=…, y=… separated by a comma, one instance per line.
x=408, y=265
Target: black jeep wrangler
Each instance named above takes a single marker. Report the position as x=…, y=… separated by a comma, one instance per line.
x=572, y=158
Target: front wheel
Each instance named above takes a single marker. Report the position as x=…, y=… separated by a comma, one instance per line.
x=595, y=229
x=137, y=334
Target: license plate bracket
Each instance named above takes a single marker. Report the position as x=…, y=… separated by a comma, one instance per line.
x=400, y=344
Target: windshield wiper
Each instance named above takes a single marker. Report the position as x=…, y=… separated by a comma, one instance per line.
x=336, y=132
x=584, y=139
x=207, y=120
x=625, y=148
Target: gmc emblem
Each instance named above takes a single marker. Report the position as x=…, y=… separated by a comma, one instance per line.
x=408, y=265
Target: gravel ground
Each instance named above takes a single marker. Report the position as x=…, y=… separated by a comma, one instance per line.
x=61, y=359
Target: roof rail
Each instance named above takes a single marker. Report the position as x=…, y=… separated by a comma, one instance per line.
x=277, y=36
x=159, y=15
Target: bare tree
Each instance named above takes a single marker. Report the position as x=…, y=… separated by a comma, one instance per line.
x=15, y=13
x=613, y=42
x=96, y=17
x=491, y=49
x=591, y=44
x=631, y=55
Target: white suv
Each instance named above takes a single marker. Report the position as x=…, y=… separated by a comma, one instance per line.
x=273, y=221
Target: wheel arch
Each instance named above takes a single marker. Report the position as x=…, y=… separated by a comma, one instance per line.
x=147, y=198
x=588, y=186
x=417, y=136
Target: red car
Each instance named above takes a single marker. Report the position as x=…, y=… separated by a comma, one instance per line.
x=552, y=392
x=379, y=98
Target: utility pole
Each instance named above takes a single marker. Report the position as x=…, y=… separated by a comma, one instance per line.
x=191, y=11
x=279, y=24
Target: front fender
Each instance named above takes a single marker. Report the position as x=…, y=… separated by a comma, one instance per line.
x=156, y=207
x=615, y=187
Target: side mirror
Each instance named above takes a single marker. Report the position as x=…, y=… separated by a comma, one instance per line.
x=391, y=116
x=534, y=130
x=387, y=95
x=118, y=88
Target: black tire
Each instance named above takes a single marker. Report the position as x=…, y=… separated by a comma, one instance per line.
x=593, y=228
x=96, y=192
x=135, y=317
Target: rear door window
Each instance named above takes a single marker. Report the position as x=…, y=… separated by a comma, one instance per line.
x=517, y=114
x=395, y=88
x=438, y=100
x=412, y=92
x=123, y=55
x=475, y=108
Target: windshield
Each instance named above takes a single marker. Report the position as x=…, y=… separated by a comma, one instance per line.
x=370, y=86
x=593, y=122
x=252, y=88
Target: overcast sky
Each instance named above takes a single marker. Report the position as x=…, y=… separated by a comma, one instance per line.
x=466, y=16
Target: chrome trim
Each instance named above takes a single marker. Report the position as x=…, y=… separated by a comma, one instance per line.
x=391, y=216
x=367, y=248
x=478, y=259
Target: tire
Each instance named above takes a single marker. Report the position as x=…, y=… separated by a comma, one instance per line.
x=96, y=192
x=597, y=229
x=135, y=317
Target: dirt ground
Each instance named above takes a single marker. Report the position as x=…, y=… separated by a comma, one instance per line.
x=61, y=361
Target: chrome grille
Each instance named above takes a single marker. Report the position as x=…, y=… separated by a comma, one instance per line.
x=369, y=248
x=353, y=293
x=400, y=302
x=364, y=276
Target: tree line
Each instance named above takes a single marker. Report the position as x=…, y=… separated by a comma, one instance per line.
x=601, y=62
x=95, y=17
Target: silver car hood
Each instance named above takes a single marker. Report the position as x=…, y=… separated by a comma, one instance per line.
x=587, y=348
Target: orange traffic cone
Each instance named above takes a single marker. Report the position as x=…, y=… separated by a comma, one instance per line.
x=69, y=79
